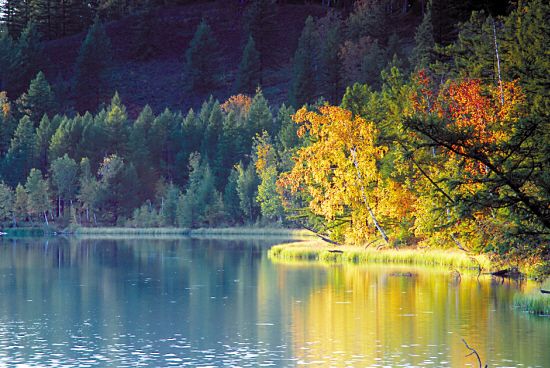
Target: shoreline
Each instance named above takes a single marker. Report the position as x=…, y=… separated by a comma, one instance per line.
x=236, y=231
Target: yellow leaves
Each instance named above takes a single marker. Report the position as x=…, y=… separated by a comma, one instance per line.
x=324, y=169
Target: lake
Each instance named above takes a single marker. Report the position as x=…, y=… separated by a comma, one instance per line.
x=164, y=302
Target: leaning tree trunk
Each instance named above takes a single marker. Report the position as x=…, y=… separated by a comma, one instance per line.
x=364, y=196
x=46, y=218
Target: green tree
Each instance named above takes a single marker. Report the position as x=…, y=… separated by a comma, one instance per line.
x=20, y=206
x=116, y=125
x=92, y=63
x=202, y=59
x=261, y=24
x=525, y=52
x=64, y=176
x=38, y=201
x=89, y=194
x=117, y=188
x=231, y=200
x=44, y=133
x=422, y=54
x=38, y=100
x=26, y=63
x=21, y=154
x=7, y=201
x=169, y=205
x=330, y=65
x=266, y=167
x=248, y=75
x=260, y=118
x=9, y=55
x=139, y=153
x=247, y=189
x=303, y=88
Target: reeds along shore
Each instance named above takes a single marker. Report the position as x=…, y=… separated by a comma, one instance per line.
x=227, y=231
x=320, y=251
x=535, y=302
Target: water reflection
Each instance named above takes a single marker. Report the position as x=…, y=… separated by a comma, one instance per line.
x=174, y=302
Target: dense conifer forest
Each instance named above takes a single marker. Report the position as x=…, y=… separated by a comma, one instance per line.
x=418, y=123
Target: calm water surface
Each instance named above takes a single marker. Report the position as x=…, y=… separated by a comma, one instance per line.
x=210, y=303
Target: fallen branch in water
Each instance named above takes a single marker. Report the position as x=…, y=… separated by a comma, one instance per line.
x=473, y=352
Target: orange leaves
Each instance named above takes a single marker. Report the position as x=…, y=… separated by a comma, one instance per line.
x=239, y=104
x=480, y=115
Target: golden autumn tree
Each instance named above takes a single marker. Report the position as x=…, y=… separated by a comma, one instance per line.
x=338, y=169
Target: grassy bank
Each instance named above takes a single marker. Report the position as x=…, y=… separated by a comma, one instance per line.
x=323, y=252
x=534, y=301
x=206, y=232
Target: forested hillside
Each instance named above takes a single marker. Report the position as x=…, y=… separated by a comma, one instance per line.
x=373, y=120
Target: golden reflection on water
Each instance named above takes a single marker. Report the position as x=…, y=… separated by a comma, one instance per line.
x=391, y=316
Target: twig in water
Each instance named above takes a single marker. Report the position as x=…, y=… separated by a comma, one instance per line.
x=473, y=352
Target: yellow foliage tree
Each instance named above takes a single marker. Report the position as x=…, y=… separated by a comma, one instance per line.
x=338, y=169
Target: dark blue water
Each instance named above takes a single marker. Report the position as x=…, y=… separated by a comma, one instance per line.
x=164, y=303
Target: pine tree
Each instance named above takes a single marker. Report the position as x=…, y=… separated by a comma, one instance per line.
x=248, y=76
x=330, y=38
x=38, y=201
x=260, y=23
x=422, y=54
x=38, y=100
x=117, y=126
x=202, y=62
x=231, y=200
x=92, y=62
x=8, y=58
x=21, y=154
x=260, y=118
x=44, y=133
x=139, y=152
x=25, y=64
x=303, y=87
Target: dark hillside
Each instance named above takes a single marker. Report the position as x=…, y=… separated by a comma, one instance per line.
x=158, y=81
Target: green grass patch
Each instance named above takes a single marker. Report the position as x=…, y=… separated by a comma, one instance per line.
x=534, y=301
x=324, y=253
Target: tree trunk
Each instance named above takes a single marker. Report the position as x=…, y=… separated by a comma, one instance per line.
x=371, y=213
x=498, y=63
x=46, y=218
